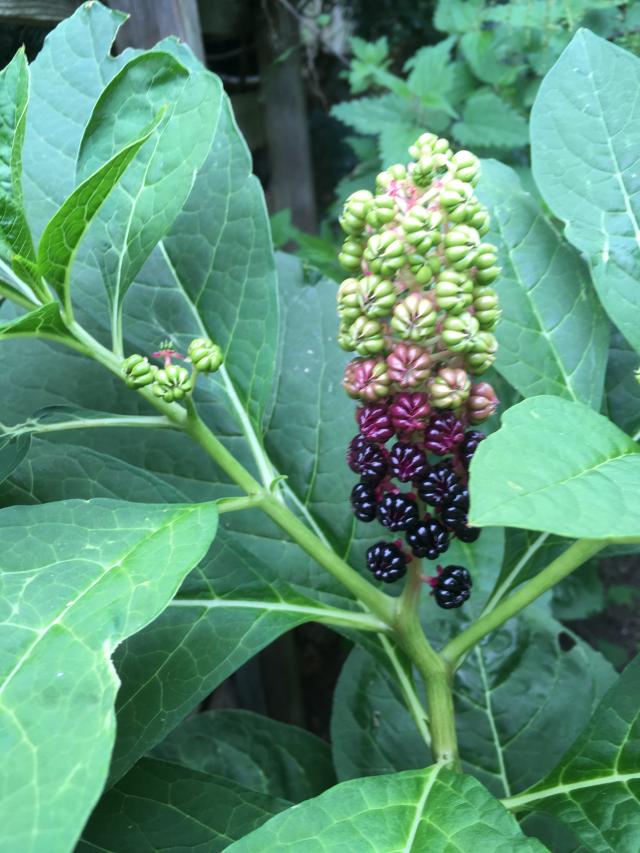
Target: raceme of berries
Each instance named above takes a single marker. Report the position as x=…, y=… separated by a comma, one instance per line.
x=451, y=587
x=418, y=309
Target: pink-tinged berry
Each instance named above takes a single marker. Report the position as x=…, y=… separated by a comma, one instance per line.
x=366, y=378
x=367, y=459
x=374, y=422
x=482, y=403
x=407, y=461
x=444, y=433
x=409, y=365
x=449, y=388
x=409, y=412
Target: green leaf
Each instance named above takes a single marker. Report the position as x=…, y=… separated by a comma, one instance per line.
x=621, y=385
x=458, y=16
x=431, y=71
x=595, y=788
x=13, y=449
x=44, y=322
x=253, y=751
x=61, y=238
x=553, y=335
x=395, y=139
x=583, y=131
x=372, y=115
x=163, y=807
x=558, y=467
x=433, y=809
x=156, y=187
x=482, y=50
x=78, y=579
x=488, y=121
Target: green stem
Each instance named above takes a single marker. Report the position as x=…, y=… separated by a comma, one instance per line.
x=237, y=504
x=567, y=562
x=433, y=669
x=18, y=298
x=149, y=422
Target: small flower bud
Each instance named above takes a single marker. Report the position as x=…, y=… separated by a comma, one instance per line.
x=172, y=383
x=482, y=402
x=355, y=211
x=375, y=296
x=409, y=412
x=449, y=388
x=138, y=371
x=366, y=336
x=351, y=255
x=414, y=317
x=205, y=356
x=458, y=332
x=366, y=378
x=486, y=307
x=409, y=365
x=454, y=291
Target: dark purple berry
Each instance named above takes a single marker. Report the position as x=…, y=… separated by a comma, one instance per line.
x=397, y=511
x=386, y=561
x=427, y=538
x=407, y=462
x=443, y=434
x=467, y=534
x=452, y=587
x=374, y=422
x=454, y=511
x=472, y=439
x=438, y=484
x=367, y=459
x=363, y=501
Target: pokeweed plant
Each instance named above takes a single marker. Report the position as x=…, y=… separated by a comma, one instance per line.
x=166, y=382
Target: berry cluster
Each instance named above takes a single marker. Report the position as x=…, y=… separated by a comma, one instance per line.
x=419, y=311
x=172, y=382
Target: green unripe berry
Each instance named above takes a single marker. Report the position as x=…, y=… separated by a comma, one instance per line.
x=366, y=336
x=466, y=166
x=417, y=219
x=482, y=353
x=348, y=301
x=397, y=172
x=459, y=331
x=423, y=144
x=487, y=276
x=486, y=307
x=449, y=388
x=351, y=255
x=414, y=318
x=384, y=253
x=376, y=296
x=462, y=236
x=382, y=211
x=485, y=256
x=423, y=268
x=344, y=339
x=355, y=212
x=454, y=291
x=205, y=356
x=172, y=383
x=138, y=371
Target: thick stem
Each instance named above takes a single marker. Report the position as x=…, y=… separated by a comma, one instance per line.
x=571, y=559
x=433, y=669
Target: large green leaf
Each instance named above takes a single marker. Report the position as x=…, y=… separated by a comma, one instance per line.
x=65, y=230
x=553, y=334
x=44, y=322
x=77, y=579
x=140, y=212
x=584, y=135
x=164, y=807
x=254, y=751
x=419, y=810
x=557, y=467
x=622, y=388
x=12, y=451
x=15, y=238
x=595, y=788
x=372, y=115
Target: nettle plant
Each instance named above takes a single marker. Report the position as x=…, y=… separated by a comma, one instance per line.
x=175, y=490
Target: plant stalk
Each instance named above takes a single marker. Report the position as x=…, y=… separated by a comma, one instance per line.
x=575, y=555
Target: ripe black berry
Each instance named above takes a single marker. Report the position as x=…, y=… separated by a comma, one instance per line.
x=427, y=538
x=436, y=486
x=472, y=439
x=397, y=511
x=454, y=511
x=443, y=434
x=467, y=534
x=386, y=561
x=407, y=462
x=363, y=501
x=452, y=587
x=367, y=459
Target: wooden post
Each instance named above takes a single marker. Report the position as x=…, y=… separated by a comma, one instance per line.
x=152, y=20
x=285, y=115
